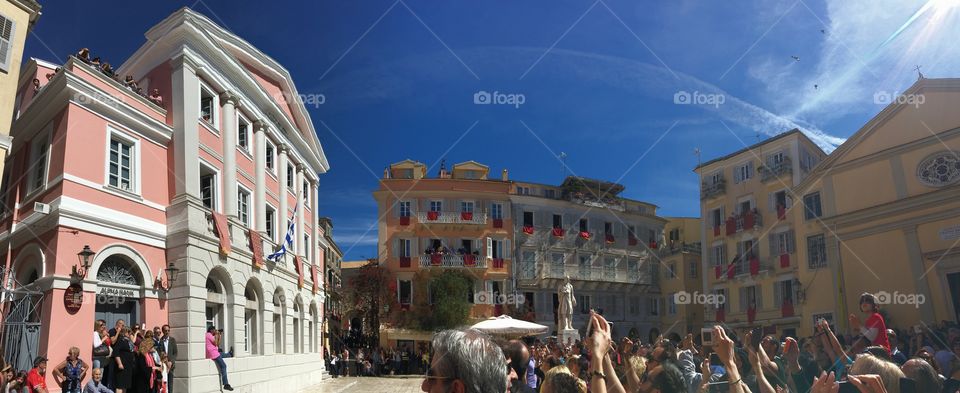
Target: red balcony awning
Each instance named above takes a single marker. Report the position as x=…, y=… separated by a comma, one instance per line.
x=718, y=270
x=751, y=314
x=498, y=263
x=433, y=216
x=469, y=260
x=557, y=232
x=404, y=261
x=632, y=241
x=754, y=266
x=223, y=232
x=781, y=212
x=731, y=226
x=436, y=259
x=784, y=260
x=528, y=229
x=716, y=230
x=585, y=235
x=748, y=221
x=405, y=220
x=467, y=216
x=256, y=245
x=610, y=239
x=731, y=270
x=721, y=315
x=498, y=223
x=787, y=308
x=653, y=244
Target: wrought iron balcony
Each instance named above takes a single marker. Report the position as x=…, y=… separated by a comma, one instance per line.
x=711, y=189
x=453, y=260
x=772, y=171
x=447, y=217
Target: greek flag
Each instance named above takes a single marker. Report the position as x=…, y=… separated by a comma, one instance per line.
x=288, y=240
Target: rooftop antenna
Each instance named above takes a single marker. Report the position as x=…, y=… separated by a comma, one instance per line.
x=563, y=165
x=919, y=74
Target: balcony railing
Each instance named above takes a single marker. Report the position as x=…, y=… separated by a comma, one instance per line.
x=594, y=273
x=477, y=218
x=772, y=171
x=675, y=247
x=744, y=222
x=712, y=189
x=438, y=260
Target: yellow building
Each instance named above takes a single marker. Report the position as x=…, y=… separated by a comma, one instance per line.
x=880, y=214
x=17, y=18
x=751, y=263
x=680, y=276
x=889, y=212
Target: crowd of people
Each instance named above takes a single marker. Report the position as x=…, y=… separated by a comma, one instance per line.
x=124, y=359
x=869, y=359
x=375, y=362
x=84, y=55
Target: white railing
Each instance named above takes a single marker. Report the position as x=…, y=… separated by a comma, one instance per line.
x=451, y=218
x=593, y=273
x=452, y=261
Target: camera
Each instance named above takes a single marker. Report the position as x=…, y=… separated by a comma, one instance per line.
x=706, y=336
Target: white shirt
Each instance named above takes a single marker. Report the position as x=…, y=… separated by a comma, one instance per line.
x=97, y=341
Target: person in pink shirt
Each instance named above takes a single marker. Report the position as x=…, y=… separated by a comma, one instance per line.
x=214, y=353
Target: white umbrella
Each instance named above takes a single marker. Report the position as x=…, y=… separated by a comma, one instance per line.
x=504, y=325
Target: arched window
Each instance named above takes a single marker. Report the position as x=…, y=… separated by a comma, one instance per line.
x=218, y=310
x=279, y=314
x=118, y=270
x=253, y=315
x=297, y=334
x=313, y=328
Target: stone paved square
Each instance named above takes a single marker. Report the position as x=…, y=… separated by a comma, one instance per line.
x=367, y=384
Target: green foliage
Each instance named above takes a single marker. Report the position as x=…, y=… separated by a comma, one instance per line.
x=450, y=291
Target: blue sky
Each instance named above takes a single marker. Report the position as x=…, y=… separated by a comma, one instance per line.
x=598, y=80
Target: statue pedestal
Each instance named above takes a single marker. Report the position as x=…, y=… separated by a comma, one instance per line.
x=572, y=334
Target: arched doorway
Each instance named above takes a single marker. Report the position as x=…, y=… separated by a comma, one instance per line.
x=119, y=291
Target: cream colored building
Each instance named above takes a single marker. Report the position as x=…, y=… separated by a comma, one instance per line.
x=17, y=18
x=880, y=214
x=890, y=212
x=680, y=276
x=750, y=235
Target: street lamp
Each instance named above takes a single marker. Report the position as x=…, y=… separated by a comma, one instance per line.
x=172, y=272
x=80, y=271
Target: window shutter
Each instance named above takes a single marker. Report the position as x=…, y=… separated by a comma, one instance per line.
x=743, y=299
x=777, y=293
x=791, y=243
x=489, y=248
x=758, y=300
x=774, y=248
x=506, y=252
x=396, y=247
x=789, y=201
x=772, y=202
x=6, y=42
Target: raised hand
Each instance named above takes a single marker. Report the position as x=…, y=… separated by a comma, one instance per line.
x=854, y=321
x=869, y=383
x=826, y=383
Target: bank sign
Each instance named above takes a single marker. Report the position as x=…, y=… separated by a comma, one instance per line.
x=115, y=295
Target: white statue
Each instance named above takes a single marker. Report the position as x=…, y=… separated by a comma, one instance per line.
x=567, y=303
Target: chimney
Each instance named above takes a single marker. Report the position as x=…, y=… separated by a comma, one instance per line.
x=503, y=175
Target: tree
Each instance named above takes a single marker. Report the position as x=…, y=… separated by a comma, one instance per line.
x=373, y=295
x=442, y=300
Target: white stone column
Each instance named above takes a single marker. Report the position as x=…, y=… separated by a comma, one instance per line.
x=228, y=133
x=282, y=193
x=186, y=139
x=300, y=212
x=260, y=161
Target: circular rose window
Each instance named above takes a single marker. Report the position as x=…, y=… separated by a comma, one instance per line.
x=939, y=169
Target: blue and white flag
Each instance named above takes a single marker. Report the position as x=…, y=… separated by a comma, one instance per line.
x=288, y=240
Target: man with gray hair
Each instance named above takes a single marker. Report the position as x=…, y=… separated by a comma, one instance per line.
x=465, y=361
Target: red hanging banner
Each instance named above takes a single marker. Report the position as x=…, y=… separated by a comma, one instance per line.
x=223, y=232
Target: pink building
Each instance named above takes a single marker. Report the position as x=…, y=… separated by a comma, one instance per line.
x=179, y=202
